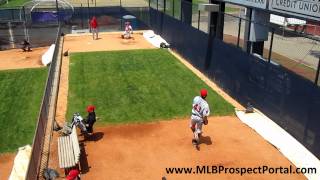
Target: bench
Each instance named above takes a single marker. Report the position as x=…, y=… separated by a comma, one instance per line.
x=69, y=150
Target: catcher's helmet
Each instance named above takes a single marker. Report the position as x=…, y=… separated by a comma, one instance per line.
x=203, y=93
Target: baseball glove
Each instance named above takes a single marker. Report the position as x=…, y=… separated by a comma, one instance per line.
x=205, y=121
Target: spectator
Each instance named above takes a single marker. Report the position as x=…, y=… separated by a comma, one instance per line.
x=94, y=27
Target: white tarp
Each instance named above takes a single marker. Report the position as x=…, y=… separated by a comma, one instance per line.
x=154, y=39
x=283, y=141
x=47, y=56
x=282, y=21
x=21, y=162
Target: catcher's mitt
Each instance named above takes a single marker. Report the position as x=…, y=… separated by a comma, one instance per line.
x=205, y=122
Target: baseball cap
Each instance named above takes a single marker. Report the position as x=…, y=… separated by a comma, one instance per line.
x=73, y=174
x=91, y=108
x=203, y=93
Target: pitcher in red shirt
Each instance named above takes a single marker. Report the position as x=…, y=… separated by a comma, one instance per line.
x=94, y=27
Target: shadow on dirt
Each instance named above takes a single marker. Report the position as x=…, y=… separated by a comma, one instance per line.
x=206, y=140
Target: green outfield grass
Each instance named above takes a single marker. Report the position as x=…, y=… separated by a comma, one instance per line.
x=12, y=3
x=135, y=86
x=20, y=98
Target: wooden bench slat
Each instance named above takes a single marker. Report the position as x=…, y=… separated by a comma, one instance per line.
x=76, y=147
x=68, y=150
x=65, y=154
x=59, y=152
x=70, y=153
x=63, y=151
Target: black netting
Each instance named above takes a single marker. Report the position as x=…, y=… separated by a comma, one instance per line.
x=291, y=100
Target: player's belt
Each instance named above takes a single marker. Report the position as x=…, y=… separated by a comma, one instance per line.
x=196, y=115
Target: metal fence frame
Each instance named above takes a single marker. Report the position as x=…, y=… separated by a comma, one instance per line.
x=38, y=140
x=292, y=101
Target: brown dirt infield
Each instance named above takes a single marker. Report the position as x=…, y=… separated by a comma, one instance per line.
x=16, y=59
x=143, y=151
x=6, y=163
x=106, y=42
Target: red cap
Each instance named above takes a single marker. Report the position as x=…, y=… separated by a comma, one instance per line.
x=203, y=93
x=73, y=174
x=91, y=108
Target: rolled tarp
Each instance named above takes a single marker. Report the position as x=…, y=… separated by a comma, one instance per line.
x=48, y=55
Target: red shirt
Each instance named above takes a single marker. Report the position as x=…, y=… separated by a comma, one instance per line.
x=94, y=23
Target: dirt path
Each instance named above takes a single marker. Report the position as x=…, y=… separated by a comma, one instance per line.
x=143, y=151
x=16, y=59
x=6, y=163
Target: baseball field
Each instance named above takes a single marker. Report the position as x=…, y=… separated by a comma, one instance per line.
x=143, y=98
x=22, y=82
x=21, y=93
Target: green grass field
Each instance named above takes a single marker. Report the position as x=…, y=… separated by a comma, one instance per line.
x=12, y=3
x=135, y=86
x=20, y=93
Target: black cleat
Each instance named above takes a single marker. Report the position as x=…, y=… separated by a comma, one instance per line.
x=194, y=142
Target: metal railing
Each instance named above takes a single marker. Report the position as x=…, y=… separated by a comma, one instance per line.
x=38, y=141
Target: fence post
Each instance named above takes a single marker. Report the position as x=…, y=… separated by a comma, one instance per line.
x=198, y=19
x=81, y=16
x=12, y=14
x=247, y=43
x=317, y=74
x=26, y=34
x=149, y=4
x=164, y=6
x=24, y=13
x=157, y=5
x=173, y=8
x=220, y=22
x=88, y=9
x=271, y=43
x=239, y=31
x=181, y=3
x=57, y=9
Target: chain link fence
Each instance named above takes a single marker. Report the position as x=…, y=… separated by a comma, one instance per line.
x=289, y=47
x=288, y=97
x=38, y=141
